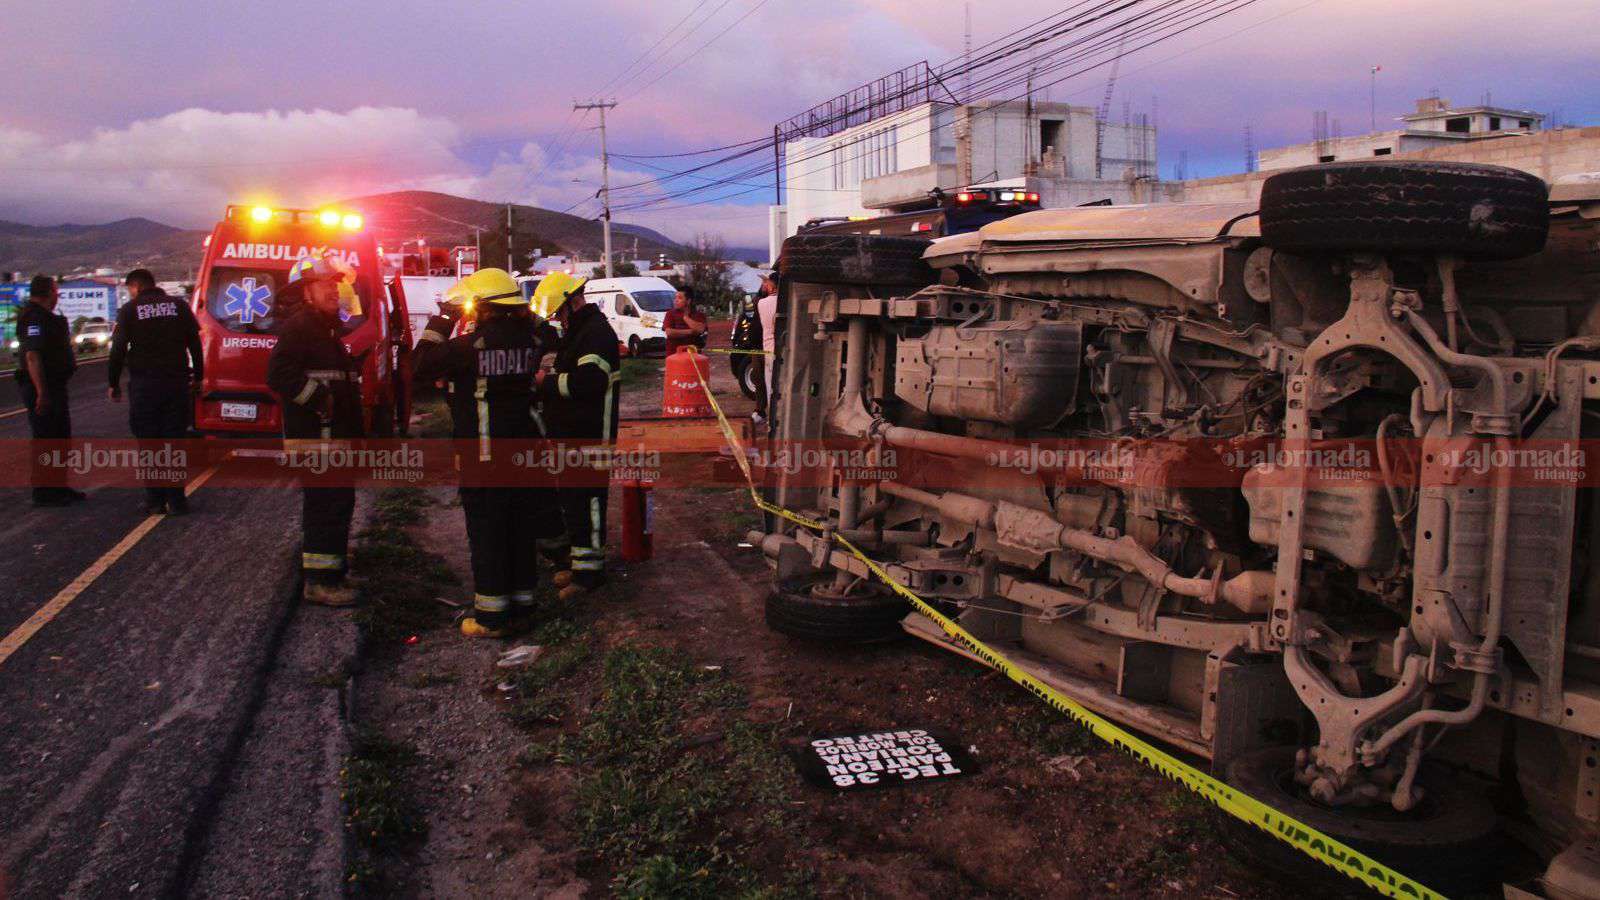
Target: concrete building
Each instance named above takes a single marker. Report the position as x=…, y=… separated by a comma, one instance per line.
x=1435, y=123
x=894, y=160
x=1547, y=154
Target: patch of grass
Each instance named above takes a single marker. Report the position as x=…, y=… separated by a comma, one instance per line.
x=383, y=814
x=1052, y=733
x=673, y=819
x=435, y=416
x=400, y=580
x=423, y=680
x=637, y=371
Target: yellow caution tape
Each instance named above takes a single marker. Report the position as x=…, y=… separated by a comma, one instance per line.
x=1220, y=794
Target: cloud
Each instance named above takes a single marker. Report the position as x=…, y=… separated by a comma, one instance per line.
x=184, y=168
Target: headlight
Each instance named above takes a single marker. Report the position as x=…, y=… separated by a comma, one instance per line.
x=649, y=321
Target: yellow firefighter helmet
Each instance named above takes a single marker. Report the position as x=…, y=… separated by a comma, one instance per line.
x=494, y=286
x=554, y=292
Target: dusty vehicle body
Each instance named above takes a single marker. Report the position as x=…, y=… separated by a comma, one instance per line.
x=1386, y=675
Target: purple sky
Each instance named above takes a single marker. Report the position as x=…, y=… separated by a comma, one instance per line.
x=171, y=109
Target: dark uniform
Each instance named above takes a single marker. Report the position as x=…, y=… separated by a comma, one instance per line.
x=318, y=384
x=490, y=375
x=158, y=339
x=580, y=402
x=46, y=333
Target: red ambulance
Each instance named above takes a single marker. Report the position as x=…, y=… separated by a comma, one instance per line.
x=247, y=260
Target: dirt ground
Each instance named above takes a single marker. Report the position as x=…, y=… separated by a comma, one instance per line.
x=649, y=752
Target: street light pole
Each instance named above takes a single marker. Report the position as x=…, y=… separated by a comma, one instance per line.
x=605, y=175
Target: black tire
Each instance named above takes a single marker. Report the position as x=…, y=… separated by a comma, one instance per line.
x=1447, y=843
x=868, y=259
x=633, y=346
x=1475, y=211
x=744, y=371
x=870, y=618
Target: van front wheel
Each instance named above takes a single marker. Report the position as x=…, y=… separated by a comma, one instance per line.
x=633, y=346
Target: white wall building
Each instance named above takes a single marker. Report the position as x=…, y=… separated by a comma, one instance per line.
x=1434, y=124
x=895, y=160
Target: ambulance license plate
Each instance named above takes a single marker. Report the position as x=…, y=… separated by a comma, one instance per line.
x=239, y=412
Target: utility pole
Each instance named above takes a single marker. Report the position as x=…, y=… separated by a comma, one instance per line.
x=511, y=260
x=605, y=175
x=1372, y=100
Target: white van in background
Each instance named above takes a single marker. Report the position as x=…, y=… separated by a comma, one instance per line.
x=635, y=307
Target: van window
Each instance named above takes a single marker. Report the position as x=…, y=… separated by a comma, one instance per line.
x=655, y=301
x=623, y=307
x=242, y=300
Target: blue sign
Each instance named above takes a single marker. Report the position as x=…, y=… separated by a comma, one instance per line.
x=247, y=301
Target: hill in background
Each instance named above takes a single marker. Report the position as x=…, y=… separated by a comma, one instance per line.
x=174, y=253
x=57, y=249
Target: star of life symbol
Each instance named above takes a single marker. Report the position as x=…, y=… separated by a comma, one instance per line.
x=247, y=301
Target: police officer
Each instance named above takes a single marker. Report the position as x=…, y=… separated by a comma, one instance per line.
x=158, y=339
x=317, y=383
x=47, y=363
x=490, y=377
x=579, y=397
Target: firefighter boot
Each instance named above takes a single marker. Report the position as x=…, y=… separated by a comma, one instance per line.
x=324, y=594
x=472, y=629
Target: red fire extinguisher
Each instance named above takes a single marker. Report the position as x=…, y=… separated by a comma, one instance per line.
x=638, y=511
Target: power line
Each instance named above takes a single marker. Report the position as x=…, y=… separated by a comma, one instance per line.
x=1165, y=22
x=674, y=45
x=749, y=12
x=651, y=49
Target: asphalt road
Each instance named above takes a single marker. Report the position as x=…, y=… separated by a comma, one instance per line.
x=129, y=721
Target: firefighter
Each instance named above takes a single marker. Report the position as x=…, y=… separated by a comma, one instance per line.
x=579, y=397
x=490, y=379
x=47, y=363
x=158, y=339
x=318, y=386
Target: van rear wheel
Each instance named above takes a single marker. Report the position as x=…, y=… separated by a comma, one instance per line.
x=865, y=614
x=1447, y=842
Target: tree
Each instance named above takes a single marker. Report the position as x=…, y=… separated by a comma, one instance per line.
x=708, y=273
x=624, y=269
x=524, y=242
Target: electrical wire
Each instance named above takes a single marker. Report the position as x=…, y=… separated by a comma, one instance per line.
x=1163, y=22
x=674, y=67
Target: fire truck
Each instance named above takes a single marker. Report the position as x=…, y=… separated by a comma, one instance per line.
x=247, y=261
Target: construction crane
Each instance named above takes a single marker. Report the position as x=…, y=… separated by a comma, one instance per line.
x=1103, y=112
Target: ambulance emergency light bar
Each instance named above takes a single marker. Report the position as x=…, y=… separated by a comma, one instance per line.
x=985, y=196
x=327, y=218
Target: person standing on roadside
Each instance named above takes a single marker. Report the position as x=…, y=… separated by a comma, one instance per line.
x=684, y=324
x=158, y=339
x=490, y=374
x=579, y=396
x=45, y=340
x=318, y=385
x=767, y=319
